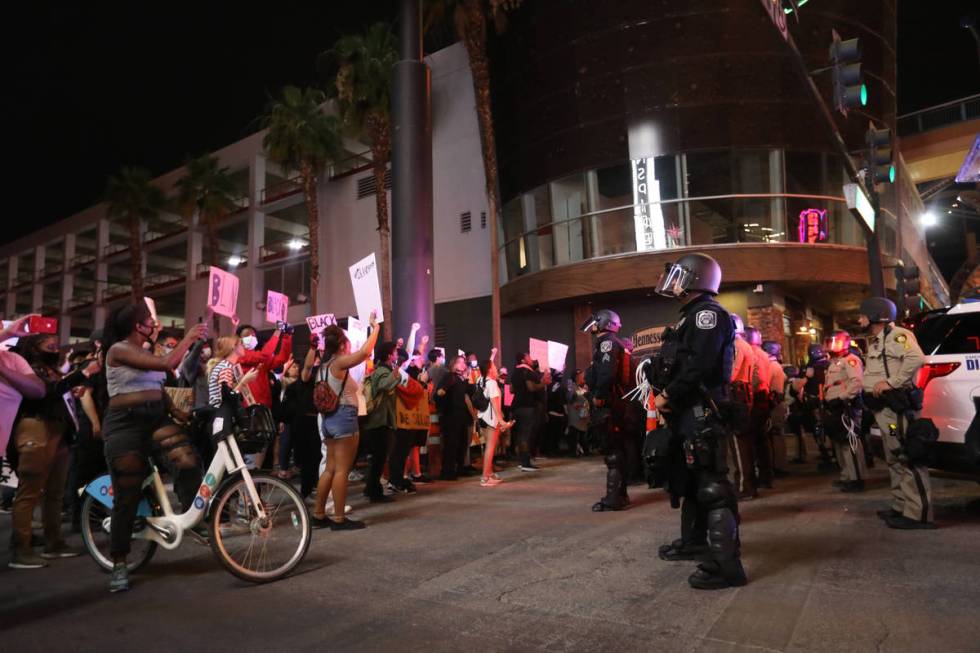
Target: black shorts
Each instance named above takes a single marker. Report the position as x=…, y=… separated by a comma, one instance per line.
x=128, y=430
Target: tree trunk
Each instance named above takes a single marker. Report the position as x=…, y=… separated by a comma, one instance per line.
x=474, y=38
x=379, y=132
x=136, y=258
x=309, y=179
x=211, y=229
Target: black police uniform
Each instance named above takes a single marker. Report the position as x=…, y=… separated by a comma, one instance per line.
x=607, y=379
x=698, y=354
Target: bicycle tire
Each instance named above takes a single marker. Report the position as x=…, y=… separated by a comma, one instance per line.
x=299, y=525
x=94, y=512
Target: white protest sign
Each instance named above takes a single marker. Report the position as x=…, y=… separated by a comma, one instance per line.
x=222, y=292
x=556, y=355
x=367, y=289
x=152, y=305
x=357, y=333
x=276, y=306
x=10, y=342
x=318, y=323
x=538, y=349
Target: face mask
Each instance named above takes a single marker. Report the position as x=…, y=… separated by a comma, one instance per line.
x=205, y=353
x=250, y=342
x=167, y=350
x=474, y=364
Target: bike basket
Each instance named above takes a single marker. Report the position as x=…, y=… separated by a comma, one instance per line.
x=259, y=431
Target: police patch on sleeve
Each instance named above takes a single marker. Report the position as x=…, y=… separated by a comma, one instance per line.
x=606, y=346
x=900, y=338
x=706, y=320
x=852, y=362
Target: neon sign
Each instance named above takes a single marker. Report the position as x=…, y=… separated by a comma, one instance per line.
x=813, y=226
x=648, y=217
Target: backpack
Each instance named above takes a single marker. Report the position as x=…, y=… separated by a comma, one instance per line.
x=325, y=400
x=479, y=396
x=372, y=398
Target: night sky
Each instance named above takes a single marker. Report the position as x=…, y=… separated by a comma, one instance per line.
x=94, y=86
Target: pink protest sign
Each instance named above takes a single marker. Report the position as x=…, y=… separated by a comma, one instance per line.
x=276, y=306
x=222, y=292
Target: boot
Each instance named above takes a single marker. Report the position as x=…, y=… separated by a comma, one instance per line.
x=718, y=575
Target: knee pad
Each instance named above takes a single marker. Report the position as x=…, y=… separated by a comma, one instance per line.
x=716, y=495
x=722, y=534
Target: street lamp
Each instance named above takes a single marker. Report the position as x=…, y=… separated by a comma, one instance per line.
x=928, y=219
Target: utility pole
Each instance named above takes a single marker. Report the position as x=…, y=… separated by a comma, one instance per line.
x=876, y=278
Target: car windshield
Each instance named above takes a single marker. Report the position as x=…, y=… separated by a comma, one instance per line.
x=950, y=334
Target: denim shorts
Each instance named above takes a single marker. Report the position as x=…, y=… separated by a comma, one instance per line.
x=341, y=424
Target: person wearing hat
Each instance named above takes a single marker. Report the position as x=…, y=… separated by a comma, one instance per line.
x=690, y=378
x=842, y=411
x=894, y=358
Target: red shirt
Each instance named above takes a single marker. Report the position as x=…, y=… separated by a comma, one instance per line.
x=266, y=360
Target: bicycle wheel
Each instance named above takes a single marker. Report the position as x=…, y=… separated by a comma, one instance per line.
x=95, y=520
x=254, y=549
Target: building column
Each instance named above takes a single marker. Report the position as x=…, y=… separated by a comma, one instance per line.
x=67, y=289
x=101, y=273
x=254, y=286
x=37, y=289
x=11, y=303
x=765, y=312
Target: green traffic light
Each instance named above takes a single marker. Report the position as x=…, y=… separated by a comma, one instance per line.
x=864, y=95
x=891, y=174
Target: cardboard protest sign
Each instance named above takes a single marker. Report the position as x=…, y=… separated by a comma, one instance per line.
x=223, y=292
x=557, y=352
x=412, y=419
x=318, y=323
x=276, y=306
x=367, y=288
x=538, y=349
x=357, y=333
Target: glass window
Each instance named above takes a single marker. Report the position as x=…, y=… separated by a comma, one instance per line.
x=950, y=334
x=709, y=174
x=569, y=200
x=25, y=267
x=513, y=225
x=545, y=232
x=612, y=232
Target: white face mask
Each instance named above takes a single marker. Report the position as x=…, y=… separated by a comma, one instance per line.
x=250, y=342
x=167, y=350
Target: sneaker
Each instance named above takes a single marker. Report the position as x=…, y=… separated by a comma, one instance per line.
x=346, y=525
x=26, y=560
x=119, y=579
x=355, y=476
x=330, y=504
x=489, y=482
x=421, y=479
x=528, y=468
x=61, y=550
x=6, y=510
x=320, y=522
x=391, y=488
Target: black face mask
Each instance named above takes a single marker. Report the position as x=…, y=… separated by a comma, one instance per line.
x=50, y=358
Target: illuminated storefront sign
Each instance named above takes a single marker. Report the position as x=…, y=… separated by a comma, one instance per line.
x=859, y=202
x=648, y=217
x=813, y=226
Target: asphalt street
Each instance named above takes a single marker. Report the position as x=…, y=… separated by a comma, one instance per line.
x=526, y=566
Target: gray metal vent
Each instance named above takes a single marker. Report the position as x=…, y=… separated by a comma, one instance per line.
x=366, y=185
x=483, y=219
x=465, y=222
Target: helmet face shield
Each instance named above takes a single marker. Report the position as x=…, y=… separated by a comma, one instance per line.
x=674, y=281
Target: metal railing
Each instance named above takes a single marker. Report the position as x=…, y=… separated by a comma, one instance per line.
x=282, y=189
x=284, y=249
x=672, y=223
x=941, y=115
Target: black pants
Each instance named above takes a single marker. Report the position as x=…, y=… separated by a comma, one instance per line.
x=306, y=448
x=759, y=432
x=527, y=422
x=87, y=464
x=404, y=441
x=555, y=431
x=455, y=439
x=377, y=442
x=612, y=435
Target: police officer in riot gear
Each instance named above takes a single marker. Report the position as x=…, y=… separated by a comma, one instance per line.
x=607, y=378
x=842, y=411
x=893, y=360
x=816, y=371
x=691, y=379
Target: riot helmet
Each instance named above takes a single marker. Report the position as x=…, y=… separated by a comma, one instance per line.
x=773, y=348
x=738, y=324
x=878, y=310
x=816, y=353
x=753, y=336
x=603, y=320
x=691, y=272
x=839, y=342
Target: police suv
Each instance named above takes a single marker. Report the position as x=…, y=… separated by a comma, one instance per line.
x=950, y=380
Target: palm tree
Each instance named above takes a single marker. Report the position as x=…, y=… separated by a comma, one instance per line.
x=470, y=22
x=362, y=88
x=209, y=190
x=301, y=137
x=132, y=197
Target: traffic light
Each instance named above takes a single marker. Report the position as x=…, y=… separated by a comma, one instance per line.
x=880, y=166
x=907, y=286
x=845, y=63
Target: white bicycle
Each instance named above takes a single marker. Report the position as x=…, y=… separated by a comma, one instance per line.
x=258, y=525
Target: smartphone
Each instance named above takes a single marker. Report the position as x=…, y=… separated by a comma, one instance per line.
x=38, y=324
